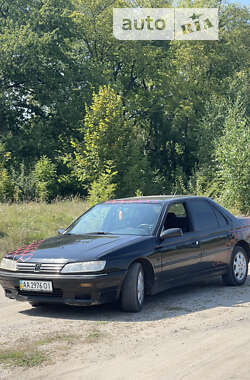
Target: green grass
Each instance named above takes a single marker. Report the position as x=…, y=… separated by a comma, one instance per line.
x=61, y=338
x=20, y=224
x=94, y=336
x=30, y=354
x=23, y=358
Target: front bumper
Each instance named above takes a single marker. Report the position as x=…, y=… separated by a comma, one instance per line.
x=78, y=290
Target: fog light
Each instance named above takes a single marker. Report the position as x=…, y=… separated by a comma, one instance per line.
x=85, y=285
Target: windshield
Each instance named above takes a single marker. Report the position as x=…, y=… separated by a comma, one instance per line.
x=118, y=218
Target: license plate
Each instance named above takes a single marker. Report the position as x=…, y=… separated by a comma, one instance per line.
x=36, y=286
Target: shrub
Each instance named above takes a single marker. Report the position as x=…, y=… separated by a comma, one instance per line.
x=233, y=160
x=7, y=186
x=45, y=179
x=102, y=188
x=24, y=181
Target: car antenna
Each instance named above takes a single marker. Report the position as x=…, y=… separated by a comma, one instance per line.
x=174, y=193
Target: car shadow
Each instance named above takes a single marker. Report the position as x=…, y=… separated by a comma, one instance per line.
x=199, y=296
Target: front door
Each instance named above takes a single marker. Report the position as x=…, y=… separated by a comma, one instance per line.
x=181, y=256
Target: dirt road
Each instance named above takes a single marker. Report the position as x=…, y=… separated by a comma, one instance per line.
x=195, y=332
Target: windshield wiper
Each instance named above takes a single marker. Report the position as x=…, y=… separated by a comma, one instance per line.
x=90, y=233
x=99, y=233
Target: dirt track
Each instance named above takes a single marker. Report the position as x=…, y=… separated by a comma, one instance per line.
x=196, y=332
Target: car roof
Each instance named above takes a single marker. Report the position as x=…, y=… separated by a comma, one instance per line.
x=169, y=199
x=158, y=198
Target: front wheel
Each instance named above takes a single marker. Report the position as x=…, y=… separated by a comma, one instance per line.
x=238, y=269
x=132, y=295
x=36, y=304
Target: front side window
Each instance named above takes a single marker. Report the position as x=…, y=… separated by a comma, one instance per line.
x=177, y=218
x=117, y=217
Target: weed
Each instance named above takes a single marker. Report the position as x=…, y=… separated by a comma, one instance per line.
x=30, y=355
x=68, y=339
x=23, y=358
x=94, y=336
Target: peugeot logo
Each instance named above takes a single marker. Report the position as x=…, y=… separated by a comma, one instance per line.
x=37, y=267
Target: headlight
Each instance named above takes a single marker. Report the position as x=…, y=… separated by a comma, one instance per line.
x=89, y=266
x=8, y=264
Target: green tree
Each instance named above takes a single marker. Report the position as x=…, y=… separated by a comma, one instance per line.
x=44, y=175
x=233, y=159
x=103, y=188
x=109, y=137
x=39, y=78
x=169, y=102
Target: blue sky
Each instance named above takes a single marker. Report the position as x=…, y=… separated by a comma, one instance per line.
x=242, y=2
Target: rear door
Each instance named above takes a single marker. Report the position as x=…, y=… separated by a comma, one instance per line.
x=213, y=234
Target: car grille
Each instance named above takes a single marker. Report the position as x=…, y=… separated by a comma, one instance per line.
x=39, y=267
x=55, y=293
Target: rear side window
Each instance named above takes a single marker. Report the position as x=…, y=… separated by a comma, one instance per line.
x=221, y=219
x=203, y=216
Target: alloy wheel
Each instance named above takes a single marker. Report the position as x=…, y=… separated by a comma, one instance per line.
x=239, y=266
x=140, y=287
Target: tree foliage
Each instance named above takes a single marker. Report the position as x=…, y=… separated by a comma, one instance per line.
x=109, y=138
x=74, y=101
x=233, y=158
x=103, y=187
x=44, y=174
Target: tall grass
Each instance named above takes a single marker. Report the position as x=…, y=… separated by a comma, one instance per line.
x=23, y=223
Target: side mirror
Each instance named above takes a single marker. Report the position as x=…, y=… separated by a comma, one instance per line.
x=60, y=231
x=170, y=233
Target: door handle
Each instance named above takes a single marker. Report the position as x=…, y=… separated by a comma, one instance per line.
x=196, y=243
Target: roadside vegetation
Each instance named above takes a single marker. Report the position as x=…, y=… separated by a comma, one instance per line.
x=37, y=352
x=83, y=114
x=23, y=223
x=23, y=357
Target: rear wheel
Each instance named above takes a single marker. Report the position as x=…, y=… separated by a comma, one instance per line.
x=238, y=269
x=132, y=295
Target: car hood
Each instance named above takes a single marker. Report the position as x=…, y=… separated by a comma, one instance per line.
x=64, y=248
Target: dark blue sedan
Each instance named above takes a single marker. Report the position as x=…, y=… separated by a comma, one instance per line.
x=126, y=248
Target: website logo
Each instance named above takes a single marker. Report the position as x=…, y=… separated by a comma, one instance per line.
x=165, y=23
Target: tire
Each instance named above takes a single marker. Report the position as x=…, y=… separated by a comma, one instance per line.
x=132, y=295
x=36, y=304
x=238, y=269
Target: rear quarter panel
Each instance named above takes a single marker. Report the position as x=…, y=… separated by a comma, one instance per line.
x=241, y=232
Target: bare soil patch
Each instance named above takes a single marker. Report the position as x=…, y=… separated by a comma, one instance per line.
x=200, y=331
